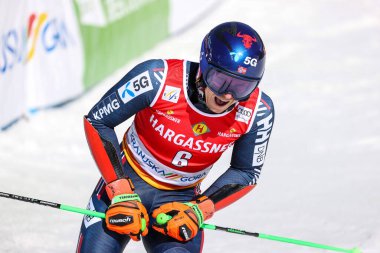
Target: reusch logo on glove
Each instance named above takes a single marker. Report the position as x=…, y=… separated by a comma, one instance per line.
x=120, y=220
x=185, y=232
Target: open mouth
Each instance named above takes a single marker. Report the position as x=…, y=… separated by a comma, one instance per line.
x=220, y=102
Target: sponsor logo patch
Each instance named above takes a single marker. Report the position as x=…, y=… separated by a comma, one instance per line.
x=171, y=94
x=186, y=141
x=89, y=220
x=169, y=115
x=242, y=70
x=229, y=135
x=120, y=220
x=259, y=154
x=161, y=172
x=107, y=106
x=200, y=128
x=243, y=114
x=185, y=232
x=135, y=87
x=194, y=177
x=236, y=56
x=250, y=61
x=246, y=39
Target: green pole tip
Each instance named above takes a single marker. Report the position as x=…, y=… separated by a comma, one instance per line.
x=356, y=250
x=162, y=218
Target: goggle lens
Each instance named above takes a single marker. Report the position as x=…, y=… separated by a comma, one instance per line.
x=221, y=83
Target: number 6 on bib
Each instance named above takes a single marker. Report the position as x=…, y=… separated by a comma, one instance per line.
x=181, y=158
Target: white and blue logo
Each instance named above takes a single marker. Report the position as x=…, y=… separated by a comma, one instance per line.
x=107, y=106
x=135, y=87
x=243, y=114
x=171, y=94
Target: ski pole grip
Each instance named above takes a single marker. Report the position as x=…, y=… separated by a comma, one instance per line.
x=163, y=218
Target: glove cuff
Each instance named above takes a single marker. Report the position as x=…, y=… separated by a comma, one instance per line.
x=207, y=207
x=203, y=208
x=125, y=197
x=119, y=187
x=197, y=212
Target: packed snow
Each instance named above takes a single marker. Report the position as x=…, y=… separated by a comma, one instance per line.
x=319, y=182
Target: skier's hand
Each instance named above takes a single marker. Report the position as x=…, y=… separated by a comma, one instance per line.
x=128, y=217
x=126, y=214
x=185, y=218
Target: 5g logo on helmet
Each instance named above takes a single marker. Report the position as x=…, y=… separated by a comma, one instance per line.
x=250, y=61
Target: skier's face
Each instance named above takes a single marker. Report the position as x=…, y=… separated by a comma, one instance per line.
x=218, y=104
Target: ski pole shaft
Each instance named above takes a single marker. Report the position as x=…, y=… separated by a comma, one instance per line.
x=163, y=218
x=54, y=205
x=280, y=239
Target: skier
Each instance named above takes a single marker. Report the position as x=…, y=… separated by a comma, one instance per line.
x=186, y=115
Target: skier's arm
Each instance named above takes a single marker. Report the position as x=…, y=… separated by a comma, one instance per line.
x=247, y=160
x=134, y=92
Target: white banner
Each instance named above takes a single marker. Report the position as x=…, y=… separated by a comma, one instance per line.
x=41, y=55
x=41, y=61
x=12, y=72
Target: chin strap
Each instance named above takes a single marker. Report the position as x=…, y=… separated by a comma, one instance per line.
x=200, y=87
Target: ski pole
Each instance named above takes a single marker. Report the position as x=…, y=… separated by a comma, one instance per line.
x=162, y=218
x=54, y=205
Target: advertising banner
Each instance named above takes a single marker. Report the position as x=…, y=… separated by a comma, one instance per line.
x=53, y=51
x=114, y=32
x=12, y=64
x=55, y=59
x=40, y=56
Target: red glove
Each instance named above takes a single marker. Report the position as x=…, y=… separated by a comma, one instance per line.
x=185, y=218
x=126, y=214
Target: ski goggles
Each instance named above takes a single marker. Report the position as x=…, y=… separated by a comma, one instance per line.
x=221, y=83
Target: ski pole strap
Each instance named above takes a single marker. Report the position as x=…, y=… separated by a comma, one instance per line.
x=125, y=197
x=197, y=211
